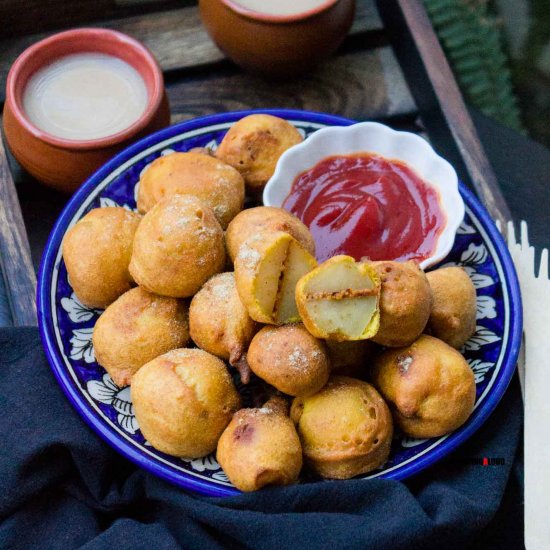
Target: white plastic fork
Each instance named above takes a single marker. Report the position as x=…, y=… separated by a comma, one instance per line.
x=534, y=373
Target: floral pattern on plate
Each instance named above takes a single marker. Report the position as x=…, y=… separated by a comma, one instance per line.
x=67, y=325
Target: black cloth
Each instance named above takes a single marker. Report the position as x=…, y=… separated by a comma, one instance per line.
x=61, y=486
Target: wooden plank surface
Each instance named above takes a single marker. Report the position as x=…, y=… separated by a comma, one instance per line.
x=359, y=85
x=176, y=37
x=15, y=257
x=20, y=17
x=440, y=101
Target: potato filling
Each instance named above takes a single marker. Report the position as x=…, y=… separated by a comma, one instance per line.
x=339, y=300
x=267, y=268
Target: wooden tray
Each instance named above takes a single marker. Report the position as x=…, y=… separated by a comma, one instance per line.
x=364, y=81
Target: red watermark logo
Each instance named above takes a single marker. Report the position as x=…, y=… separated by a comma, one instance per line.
x=484, y=461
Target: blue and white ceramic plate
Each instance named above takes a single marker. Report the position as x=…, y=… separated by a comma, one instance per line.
x=66, y=325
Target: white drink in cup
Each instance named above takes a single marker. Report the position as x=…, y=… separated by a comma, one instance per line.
x=280, y=7
x=85, y=96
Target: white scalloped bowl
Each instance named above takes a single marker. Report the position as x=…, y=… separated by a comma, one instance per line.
x=373, y=137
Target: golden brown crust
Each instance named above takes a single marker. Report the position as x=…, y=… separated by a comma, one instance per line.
x=453, y=315
x=218, y=321
x=135, y=329
x=265, y=218
x=260, y=447
x=346, y=428
x=290, y=359
x=217, y=184
x=254, y=144
x=97, y=252
x=202, y=151
x=429, y=386
x=405, y=303
x=177, y=247
x=183, y=401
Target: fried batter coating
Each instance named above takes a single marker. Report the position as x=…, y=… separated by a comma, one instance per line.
x=265, y=218
x=405, y=303
x=183, y=401
x=135, y=329
x=218, y=321
x=253, y=146
x=217, y=184
x=453, y=316
x=177, y=247
x=97, y=252
x=346, y=428
x=290, y=359
x=429, y=386
x=260, y=447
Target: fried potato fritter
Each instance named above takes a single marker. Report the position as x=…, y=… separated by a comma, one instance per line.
x=183, y=401
x=290, y=359
x=346, y=428
x=261, y=447
x=253, y=146
x=135, y=329
x=217, y=184
x=265, y=218
x=429, y=386
x=405, y=303
x=178, y=246
x=218, y=321
x=453, y=315
x=97, y=253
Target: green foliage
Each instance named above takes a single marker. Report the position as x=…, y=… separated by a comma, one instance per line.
x=472, y=42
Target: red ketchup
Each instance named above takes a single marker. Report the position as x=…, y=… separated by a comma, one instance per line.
x=366, y=205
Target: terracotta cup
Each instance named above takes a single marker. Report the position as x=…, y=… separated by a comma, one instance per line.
x=277, y=45
x=64, y=163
